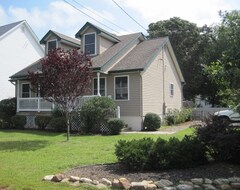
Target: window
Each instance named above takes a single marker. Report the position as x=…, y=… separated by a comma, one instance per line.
x=121, y=88
x=171, y=89
x=52, y=45
x=25, y=90
x=90, y=43
x=102, y=86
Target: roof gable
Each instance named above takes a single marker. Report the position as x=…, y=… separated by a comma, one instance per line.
x=60, y=36
x=98, y=30
x=6, y=28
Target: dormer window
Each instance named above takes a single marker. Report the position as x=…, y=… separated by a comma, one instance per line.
x=90, y=43
x=51, y=45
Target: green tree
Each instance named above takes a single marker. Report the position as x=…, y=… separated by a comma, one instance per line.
x=224, y=67
x=189, y=44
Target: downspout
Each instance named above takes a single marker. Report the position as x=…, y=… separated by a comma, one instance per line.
x=98, y=84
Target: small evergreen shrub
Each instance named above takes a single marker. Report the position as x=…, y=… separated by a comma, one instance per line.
x=18, y=121
x=152, y=122
x=7, y=110
x=222, y=141
x=115, y=126
x=95, y=111
x=134, y=154
x=175, y=116
x=42, y=121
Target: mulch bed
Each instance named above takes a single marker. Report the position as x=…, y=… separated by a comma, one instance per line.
x=115, y=171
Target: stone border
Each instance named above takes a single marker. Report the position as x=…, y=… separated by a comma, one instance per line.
x=232, y=183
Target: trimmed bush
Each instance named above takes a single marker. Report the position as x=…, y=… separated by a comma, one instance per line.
x=134, y=154
x=95, y=111
x=42, y=121
x=175, y=116
x=115, y=126
x=18, y=121
x=152, y=122
x=145, y=154
x=222, y=141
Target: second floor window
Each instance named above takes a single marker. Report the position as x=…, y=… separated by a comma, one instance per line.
x=51, y=45
x=90, y=43
x=25, y=90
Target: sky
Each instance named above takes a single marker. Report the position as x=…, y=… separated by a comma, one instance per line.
x=65, y=16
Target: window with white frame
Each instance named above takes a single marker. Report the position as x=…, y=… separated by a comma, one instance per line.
x=121, y=88
x=90, y=43
x=25, y=90
x=51, y=45
x=102, y=86
x=171, y=89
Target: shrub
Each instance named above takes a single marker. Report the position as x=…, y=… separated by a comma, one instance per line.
x=134, y=154
x=18, y=121
x=95, y=111
x=42, y=121
x=222, y=141
x=152, y=122
x=145, y=154
x=58, y=124
x=7, y=110
x=115, y=126
x=175, y=116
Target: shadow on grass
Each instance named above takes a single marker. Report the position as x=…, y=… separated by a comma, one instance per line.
x=22, y=145
x=33, y=132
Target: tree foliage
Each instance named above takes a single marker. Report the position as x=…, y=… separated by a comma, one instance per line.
x=64, y=76
x=224, y=67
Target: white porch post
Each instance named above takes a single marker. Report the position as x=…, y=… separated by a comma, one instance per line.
x=18, y=95
x=98, y=84
x=39, y=101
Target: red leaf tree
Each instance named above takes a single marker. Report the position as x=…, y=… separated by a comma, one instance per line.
x=63, y=78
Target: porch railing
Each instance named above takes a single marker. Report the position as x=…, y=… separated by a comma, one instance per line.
x=38, y=104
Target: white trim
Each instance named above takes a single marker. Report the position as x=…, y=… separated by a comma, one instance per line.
x=128, y=80
x=105, y=78
x=95, y=34
x=52, y=41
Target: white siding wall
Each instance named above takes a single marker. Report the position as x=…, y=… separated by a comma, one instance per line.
x=17, y=50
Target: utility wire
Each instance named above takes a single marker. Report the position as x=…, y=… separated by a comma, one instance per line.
x=89, y=15
x=129, y=15
x=99, y=15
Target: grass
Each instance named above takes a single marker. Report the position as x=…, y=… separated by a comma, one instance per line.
x=27, y=156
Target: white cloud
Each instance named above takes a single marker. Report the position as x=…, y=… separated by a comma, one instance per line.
x=2, y=16
x=200, y=12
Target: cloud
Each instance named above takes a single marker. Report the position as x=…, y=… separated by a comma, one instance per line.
x=200, y=12
x=3, y=16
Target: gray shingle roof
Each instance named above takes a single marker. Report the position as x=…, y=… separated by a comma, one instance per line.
x=61, y=37
x=6, y=28
x=108, y=55
x=141, y=55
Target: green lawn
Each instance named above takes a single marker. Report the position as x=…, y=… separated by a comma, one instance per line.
x=27, y=156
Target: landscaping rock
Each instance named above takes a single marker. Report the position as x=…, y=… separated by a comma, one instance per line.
x=207, y=181
x=163, y=183
x=169, y=188
x=197, y=187
x=85, y=180
x=74, y=178
x=58, y=177
x=151, y=186
x=65, y=180
x=184, y=187
x=197, y=181
x=101, y=186
x=75, y=184
x=138, y=186
x=225, y=187
x=220, y=181
x=95, y=182
x=48, y=178
x=124, y=183
x=116, y=184
x=105, y=182
x=234, y=179
x=209, y=187
x=235, y=185
x=186, y=182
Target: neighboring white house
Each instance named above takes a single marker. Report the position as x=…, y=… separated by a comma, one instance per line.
x=19, y=48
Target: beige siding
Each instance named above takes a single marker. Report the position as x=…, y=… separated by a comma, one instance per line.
x=161, y=71
x=104, y=44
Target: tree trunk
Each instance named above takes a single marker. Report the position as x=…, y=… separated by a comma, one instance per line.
x=68, y=117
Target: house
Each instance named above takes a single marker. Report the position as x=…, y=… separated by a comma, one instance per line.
x=19, y=47
x=141, y=75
